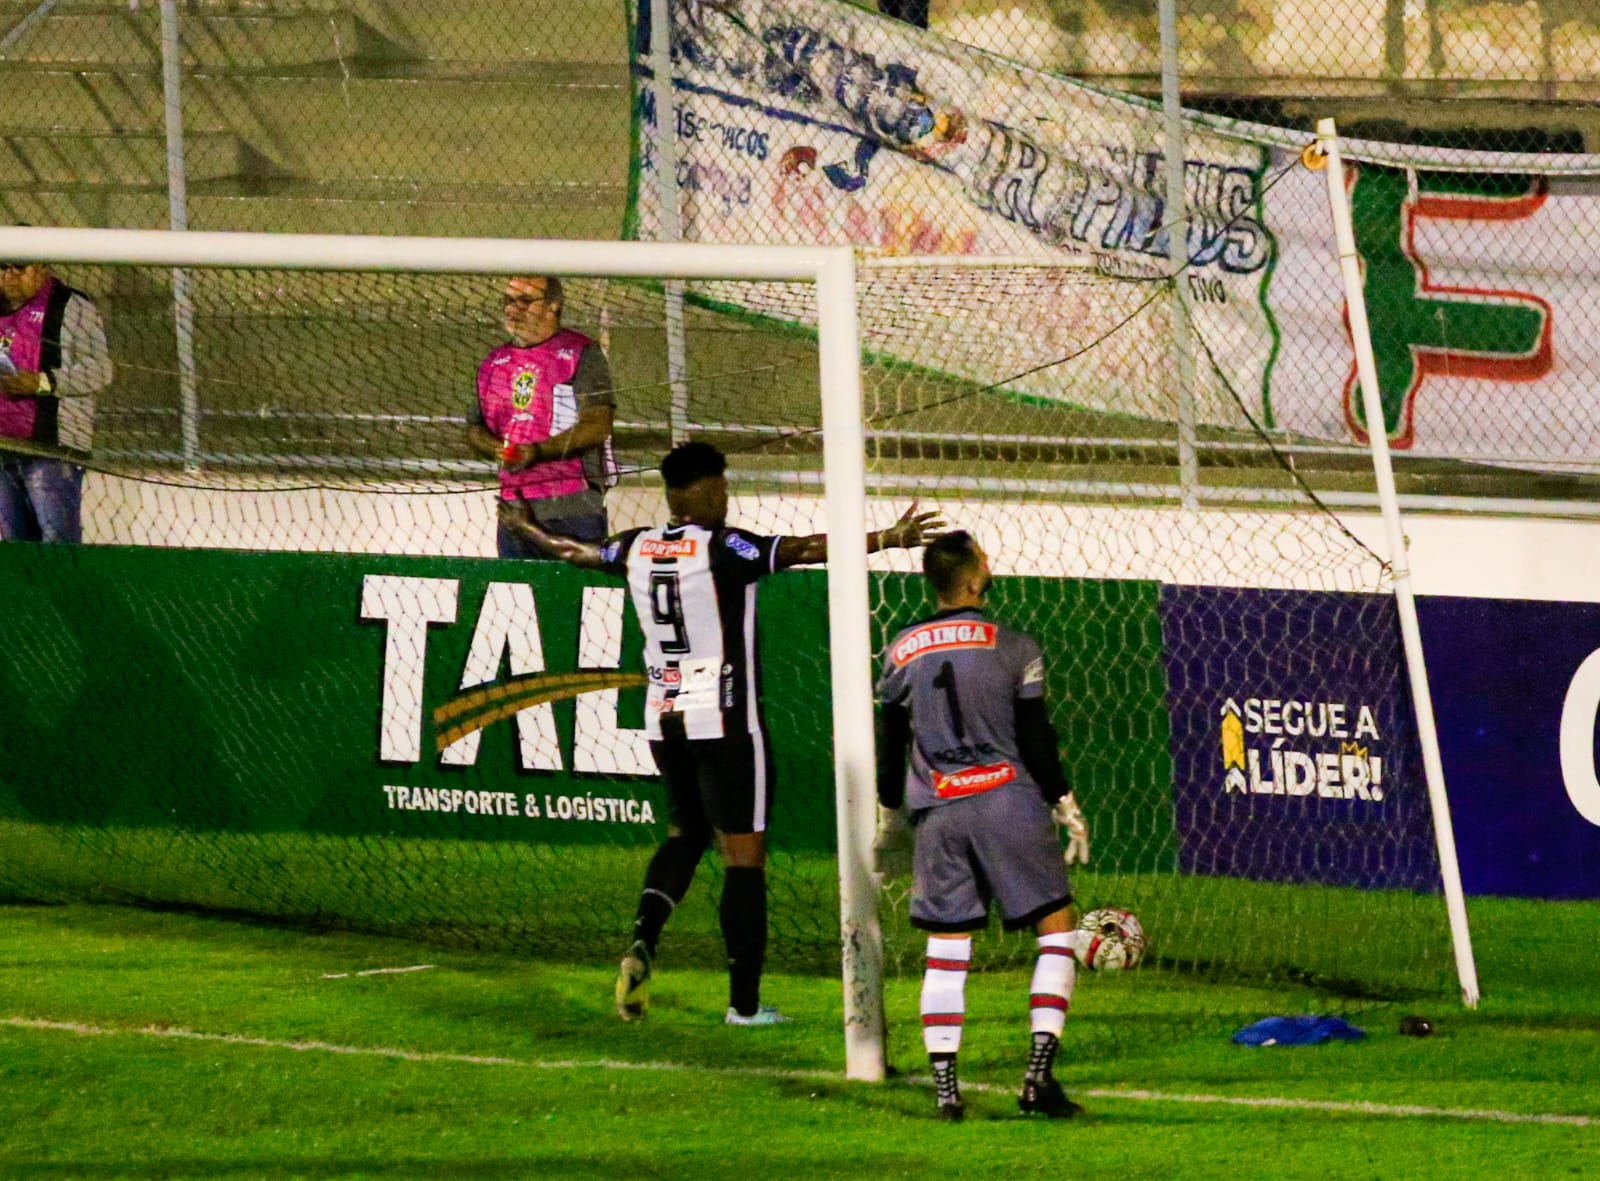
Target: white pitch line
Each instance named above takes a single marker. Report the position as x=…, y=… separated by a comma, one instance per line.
x=377, y=972
x=1337, y=1107
x=1359, y=1108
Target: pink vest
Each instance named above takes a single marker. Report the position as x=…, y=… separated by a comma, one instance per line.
x=526, y=396
x=22, y=338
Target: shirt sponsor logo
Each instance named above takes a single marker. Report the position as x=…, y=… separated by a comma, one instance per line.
x=654, y=547
x=942, y=637
x=1034, y=673
x=565, y=354
x=972, y=781
x=745, y=549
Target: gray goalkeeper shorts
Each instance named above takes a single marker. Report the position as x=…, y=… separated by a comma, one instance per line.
x=1000, y=846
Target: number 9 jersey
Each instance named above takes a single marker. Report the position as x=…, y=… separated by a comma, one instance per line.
x=960, y=676
x=694, y=590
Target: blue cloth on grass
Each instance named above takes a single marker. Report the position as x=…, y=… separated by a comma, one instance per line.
x=1305, y=1030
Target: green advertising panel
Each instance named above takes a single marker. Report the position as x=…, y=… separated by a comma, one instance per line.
x=403, y=697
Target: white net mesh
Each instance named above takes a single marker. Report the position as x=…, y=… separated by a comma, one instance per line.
x=1224, y=667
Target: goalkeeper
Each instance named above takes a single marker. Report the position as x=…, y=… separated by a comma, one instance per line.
x=966, y=696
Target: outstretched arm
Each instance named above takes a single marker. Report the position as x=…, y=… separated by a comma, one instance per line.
x=911, y=530
x=583, y=554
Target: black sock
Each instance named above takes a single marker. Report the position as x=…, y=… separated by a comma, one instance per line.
x=944, y=1078
x=744, y=931
x=666, y=881
x=1043, y=1056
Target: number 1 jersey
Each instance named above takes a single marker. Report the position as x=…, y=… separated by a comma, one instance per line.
x=694, y=590
x=960, y=676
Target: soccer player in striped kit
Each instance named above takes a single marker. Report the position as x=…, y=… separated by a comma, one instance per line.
x=693, y=583
x=965, y=696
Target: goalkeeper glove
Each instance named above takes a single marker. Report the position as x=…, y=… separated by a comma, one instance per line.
x=891, y=846
x=1069, y=816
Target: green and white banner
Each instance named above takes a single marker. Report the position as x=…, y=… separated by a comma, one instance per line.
x=818, y=122
x=452, y=698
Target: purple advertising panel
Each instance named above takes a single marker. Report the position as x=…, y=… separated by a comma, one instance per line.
x=1293, y=741
x=1514, y=683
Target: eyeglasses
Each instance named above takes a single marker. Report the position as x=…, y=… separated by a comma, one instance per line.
x=14, y=266
x=523, y=301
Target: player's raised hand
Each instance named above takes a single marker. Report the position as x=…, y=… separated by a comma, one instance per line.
x=912, y=529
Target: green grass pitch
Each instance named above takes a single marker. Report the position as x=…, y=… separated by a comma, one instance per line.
x=137, y=1044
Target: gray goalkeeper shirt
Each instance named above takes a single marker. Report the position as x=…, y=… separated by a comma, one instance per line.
x=959, y=675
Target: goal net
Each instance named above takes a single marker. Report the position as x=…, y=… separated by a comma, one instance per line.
x=286, y=675
x=1222, y=650
x=349, y=714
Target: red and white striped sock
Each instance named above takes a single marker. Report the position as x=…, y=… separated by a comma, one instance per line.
x=944, y=992
x=1054, y=974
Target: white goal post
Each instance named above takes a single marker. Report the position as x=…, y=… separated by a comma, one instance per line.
x=1405, y=600
x=833, y=272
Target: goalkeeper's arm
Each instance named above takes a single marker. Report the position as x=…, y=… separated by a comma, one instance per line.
x=1041, y=755
x=1037, y=744
x=894, y=736
x=891, y=844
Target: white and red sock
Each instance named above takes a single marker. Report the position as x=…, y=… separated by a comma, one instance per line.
x=944, y=992
x=1054, y=974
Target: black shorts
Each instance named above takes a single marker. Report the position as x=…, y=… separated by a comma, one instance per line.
x=725, y=783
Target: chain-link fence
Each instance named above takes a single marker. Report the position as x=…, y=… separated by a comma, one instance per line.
x=507, y=118
x=1511, y=75
x=1031, y=130
x=512, y=117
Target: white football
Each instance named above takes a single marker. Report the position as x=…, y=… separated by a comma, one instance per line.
x=1118, y=939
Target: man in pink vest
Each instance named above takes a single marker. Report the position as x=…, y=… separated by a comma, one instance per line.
x=544, y=412
x=53, y=360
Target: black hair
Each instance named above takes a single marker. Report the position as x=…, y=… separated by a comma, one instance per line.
x=688, y=462
x=947, y=558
